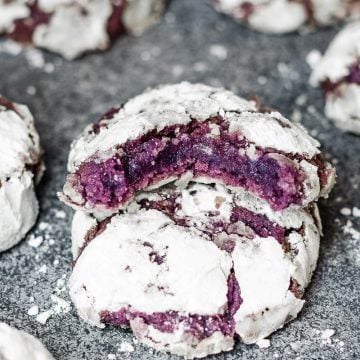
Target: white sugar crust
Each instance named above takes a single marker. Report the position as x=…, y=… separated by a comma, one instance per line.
x=261, y=266
x=289, y=15
x=17, y=344
x=19, y=141
x=150, y=287
x=20, y=150
x=80, y=26
x=179, y=104
x=181, y=344
x=19, y=209
x=342, y=104
x=71, y=33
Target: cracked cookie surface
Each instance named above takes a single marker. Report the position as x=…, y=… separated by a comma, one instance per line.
x=188, y=269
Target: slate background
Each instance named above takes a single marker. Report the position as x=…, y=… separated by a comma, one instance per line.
x=76, y=93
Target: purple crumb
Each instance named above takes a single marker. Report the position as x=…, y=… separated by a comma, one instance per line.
x=175, y=150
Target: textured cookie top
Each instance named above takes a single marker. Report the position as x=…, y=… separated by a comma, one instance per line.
x=341, y=61
x=16, y=345
x=179, y=104
x=20, y=149
x=290, y=15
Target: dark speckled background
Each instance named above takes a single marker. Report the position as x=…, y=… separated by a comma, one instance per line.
x=76, y=93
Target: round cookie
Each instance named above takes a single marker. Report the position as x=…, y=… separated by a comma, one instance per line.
x=189, y=269
x=16, y=344
x=338, y=72
x=282, y=16
x=20, y=166
x=195, y=132
x=71, y=28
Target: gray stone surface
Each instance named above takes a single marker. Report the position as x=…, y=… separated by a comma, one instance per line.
x=180, y=48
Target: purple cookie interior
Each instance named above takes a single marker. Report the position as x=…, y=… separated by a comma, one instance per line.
x=199, y=326
x=177, y=149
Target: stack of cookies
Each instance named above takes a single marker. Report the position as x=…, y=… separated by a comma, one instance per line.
x=196, y=219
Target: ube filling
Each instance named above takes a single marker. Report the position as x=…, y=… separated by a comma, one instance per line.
x=199, y=326
x=178, y=149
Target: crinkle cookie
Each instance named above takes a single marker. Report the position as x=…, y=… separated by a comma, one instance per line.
x=18, y=345
x=281, y=16
x=189, y=269
x=20, y=166
x=338, y=72
x=72, y=27
x=193, y=132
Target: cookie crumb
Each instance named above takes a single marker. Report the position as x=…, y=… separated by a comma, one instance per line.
x=218, y=51
x=43, y=269
x=43, y=317
x=35, y=241
x=313, y=58
x=326, y=336
x=349, y=229
x=345, y=211
x=33, y=311
x=263, y=343
x=126, y=347
x=356, y=211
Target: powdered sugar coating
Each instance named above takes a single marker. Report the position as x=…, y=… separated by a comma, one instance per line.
x=267, y=299
x=16, y=344
x=179, y=104
x=289, y=15
x=176, y=105
x=336, y=73
x=10, y=11
x=71, y=28
x=19, y=163
x=137, y=271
